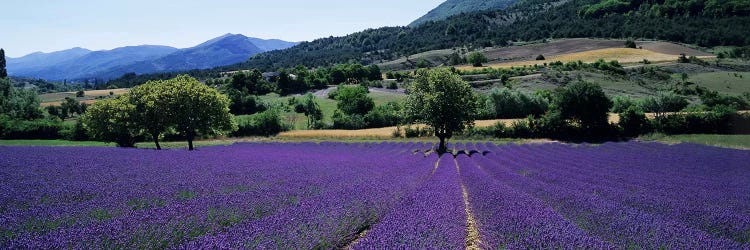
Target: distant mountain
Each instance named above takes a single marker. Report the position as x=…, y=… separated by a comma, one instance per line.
x=79, y=64
x=271, y=44
x=88, y=65
x=39, y=60
x=454, y=7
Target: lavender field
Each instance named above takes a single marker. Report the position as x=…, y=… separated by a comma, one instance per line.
x=377, y=195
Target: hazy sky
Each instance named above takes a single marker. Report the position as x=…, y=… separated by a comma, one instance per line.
x=28, y=26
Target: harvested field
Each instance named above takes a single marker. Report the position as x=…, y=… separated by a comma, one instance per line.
x=568, y=46
x=89, y=96
x=622, y=55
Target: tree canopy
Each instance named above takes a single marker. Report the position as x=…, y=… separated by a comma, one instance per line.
x=476, y=59
x=112, y=120
x=584, y=103
x=443, y=101
x=183, y=103
x=3, y=71
x=195, y=108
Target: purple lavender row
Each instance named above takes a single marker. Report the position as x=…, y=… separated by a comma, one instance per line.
x=432, y=218
x=695, y=200
x=248, y=197
x=151, y=200
x=333, y=219
x=621, y=225
x=510, y=219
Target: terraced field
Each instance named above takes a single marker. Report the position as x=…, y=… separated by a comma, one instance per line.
x=377, y=195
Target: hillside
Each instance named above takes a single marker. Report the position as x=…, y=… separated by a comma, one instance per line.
x=525, y=21
x=80, y=64
x=454, y=7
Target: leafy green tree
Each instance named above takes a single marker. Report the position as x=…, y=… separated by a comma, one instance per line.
x=477, y=59
x=113, y=120
x=22, y=104
x=621, y=103
x=312, y=111
x=151, y=109
x=373, y=73
x=354, y=100
x=3, y=71
x=584, y=103
x=664, y=102
x=195, y=108
x=443, y=101
x=456, y=59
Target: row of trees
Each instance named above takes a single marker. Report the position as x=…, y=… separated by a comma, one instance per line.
x=181, y=105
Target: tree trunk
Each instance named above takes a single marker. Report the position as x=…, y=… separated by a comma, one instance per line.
x=442, y=148
x=156, y=141
x=190, y=138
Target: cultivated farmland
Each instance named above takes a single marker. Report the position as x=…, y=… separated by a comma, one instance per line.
x=377, y=195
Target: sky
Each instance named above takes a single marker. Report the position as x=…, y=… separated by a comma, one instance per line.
x=28, y=26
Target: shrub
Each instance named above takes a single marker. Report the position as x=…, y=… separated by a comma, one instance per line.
x=344, y=121
x=721, y=120
x=550, y=125
x=354, y=100
x=630, y=44
x=519, y=129
x=540, y=57
x=664, y=102
x=74, y=132
x=621, y=103
x=584, y=103
x=633, y=121
x=477, y=59
x=513, y=104
x=266, y=123
x=415, y=132
x=712, y=99
x=383, y=116
x=393, y=85
x=29, y=129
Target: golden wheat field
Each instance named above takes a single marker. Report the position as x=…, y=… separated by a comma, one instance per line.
x=622, y=55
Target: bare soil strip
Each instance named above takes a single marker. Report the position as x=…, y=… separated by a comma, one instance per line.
x=361, y=235
x=472, y=230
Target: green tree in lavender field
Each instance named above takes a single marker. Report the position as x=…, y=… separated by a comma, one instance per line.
x=443, y=101
x=113, y=120
x=195, y=108
x=151, y=104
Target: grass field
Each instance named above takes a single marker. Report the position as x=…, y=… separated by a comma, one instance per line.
x=724, y=82
x=728, y=141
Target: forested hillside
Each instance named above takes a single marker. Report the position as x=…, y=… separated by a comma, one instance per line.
x=701, y=22
x=454, y=7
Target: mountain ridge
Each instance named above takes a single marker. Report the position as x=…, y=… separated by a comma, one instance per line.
x=81, y=64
